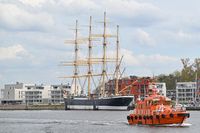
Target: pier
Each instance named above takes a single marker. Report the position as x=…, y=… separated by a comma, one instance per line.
x=31, y=107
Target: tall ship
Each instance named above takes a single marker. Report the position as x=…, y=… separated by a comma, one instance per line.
x=96, y=96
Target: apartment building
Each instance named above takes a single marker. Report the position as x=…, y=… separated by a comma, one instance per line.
x=36, y=94
x=56, y=93
x=13, y=93
x=20, y=93
x=186, y=92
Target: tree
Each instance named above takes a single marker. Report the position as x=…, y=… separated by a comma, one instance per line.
x=187, y=73
x=196, y=66
x=170, y=80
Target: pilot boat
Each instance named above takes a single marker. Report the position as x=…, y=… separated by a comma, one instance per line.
x=156, y=109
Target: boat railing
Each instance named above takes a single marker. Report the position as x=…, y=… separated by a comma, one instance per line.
x=179, y=107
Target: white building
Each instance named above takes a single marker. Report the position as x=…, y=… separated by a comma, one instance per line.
x=186, y=92
x=33, y=94
x=36, y=94
x=13, y=93
x=161, y=88
x=56, y=93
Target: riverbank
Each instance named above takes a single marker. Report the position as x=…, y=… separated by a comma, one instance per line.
x=31, y=107
x=52, y=107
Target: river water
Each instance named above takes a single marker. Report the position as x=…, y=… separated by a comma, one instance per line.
x=48, y=121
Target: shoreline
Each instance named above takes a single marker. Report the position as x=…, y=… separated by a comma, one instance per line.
x=31, y=107
x=57, y=107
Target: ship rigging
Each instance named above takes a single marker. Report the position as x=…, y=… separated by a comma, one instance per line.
x=106, y=100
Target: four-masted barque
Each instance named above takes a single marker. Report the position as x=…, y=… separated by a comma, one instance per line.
x=99, y=99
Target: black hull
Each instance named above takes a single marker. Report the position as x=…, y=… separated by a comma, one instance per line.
x=115, y=103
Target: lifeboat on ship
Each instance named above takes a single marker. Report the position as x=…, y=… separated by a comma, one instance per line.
x=156, y=109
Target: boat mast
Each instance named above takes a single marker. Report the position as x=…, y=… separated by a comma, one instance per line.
x=104, y=57
x=90, y=61
x=117, y=62
x=76, y=62
x=76, y=58
x=89, y=56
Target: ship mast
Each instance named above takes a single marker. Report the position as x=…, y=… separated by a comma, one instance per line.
x=104, y=57
x=76, y=62
x=76, y=58
x=90, y=61
x=117, y=62
x=89, y=56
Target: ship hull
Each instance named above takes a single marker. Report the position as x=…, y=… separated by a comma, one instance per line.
x=108, y=103
x=177, y=118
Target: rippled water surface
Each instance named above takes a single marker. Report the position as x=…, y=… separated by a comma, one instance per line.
x=83, y=122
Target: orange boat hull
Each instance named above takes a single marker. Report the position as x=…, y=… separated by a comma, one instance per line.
x=177, y=118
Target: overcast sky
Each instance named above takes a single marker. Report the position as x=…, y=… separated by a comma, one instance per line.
x=154, y=35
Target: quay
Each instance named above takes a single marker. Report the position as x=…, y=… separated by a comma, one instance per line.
x=31, y=107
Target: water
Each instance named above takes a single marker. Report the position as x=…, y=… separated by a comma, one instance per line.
x=83, y=122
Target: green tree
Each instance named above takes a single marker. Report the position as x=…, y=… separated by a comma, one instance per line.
x=187, y=73
x=170, y=80
x=196, y=66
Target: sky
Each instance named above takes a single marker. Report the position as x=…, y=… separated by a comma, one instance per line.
x=154, y=35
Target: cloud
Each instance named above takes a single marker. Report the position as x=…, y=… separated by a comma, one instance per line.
x=36, y=15
x=131, y=59
x=128, y=8
x=146, y=60
x=133, y=13
x=33, y=3
x=15, y=18
x=181, y=37
x=1, y=77
x=144, y=38
x=184, y=36
x=129, y=12
x=13, y=52
x=161, y=43
x=78, y=5
x=155, y=59
x=144, y=64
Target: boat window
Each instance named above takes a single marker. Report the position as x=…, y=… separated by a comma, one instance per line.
x=155, y=102
x=150, y=103
x=143, y=106
x=147, y=103
x=167, y=103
